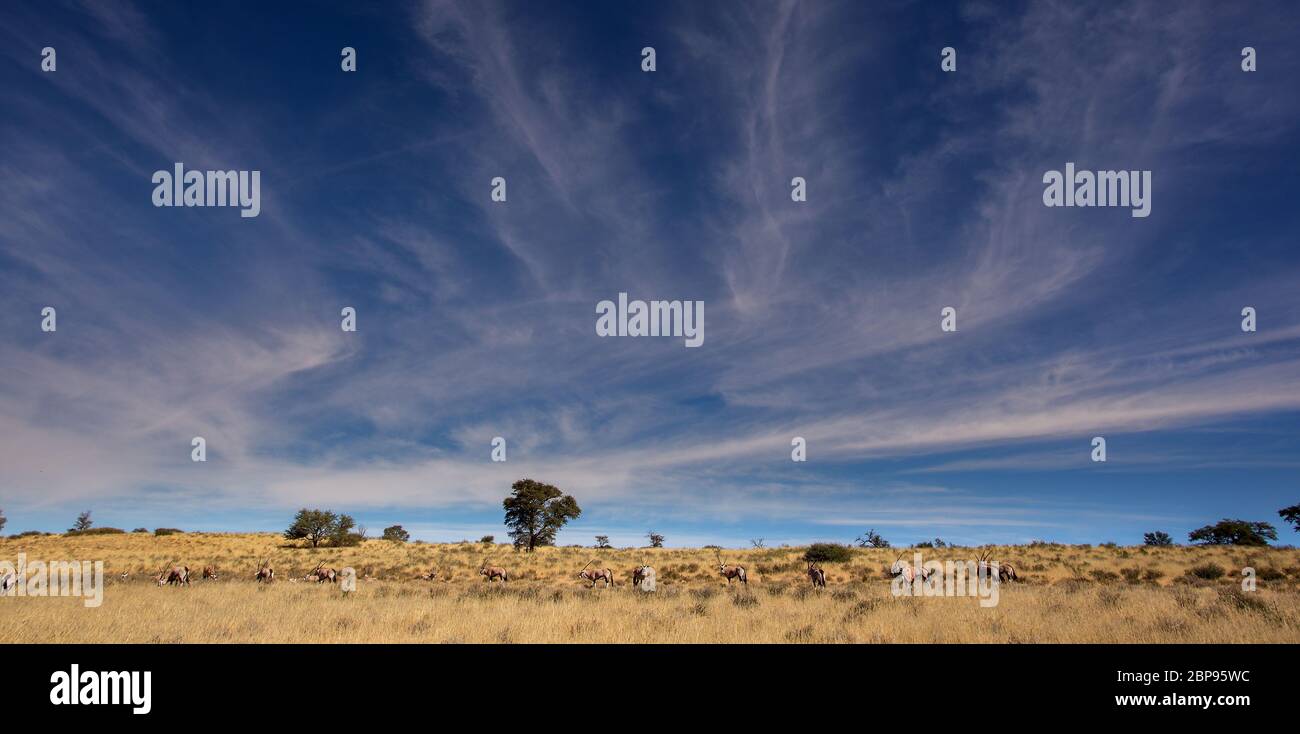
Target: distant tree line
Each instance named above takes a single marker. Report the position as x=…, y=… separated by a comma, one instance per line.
x=535, y=512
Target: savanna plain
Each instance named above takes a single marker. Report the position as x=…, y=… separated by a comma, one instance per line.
x=1066, y=594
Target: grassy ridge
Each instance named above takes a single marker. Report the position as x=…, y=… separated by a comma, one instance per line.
x=1069, y=594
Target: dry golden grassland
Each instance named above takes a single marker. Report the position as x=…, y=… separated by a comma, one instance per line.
x=1067, y=594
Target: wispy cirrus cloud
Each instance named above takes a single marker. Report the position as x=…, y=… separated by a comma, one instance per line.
x=476, y=318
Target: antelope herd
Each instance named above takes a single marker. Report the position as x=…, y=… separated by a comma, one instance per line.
x=642, y=576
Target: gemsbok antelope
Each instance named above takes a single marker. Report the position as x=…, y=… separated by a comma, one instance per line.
x=907, y=571
x=210, y=572
x=491, y=573
x=732, y=572
x=265, y=574
x=991, y=569
x=174, y=576
x=817, y=575
x=643, y=578
x=320, y=574
x=594, y=575
x=639, y=575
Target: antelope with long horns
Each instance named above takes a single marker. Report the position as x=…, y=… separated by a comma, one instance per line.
x=907, y=571
x=817, y=575
x=639, y=575
x=991, y=569
x=320, y=574
x=598, y=574
x=491, y=573
x=265, y=574
x=731, y=572
x=174, y=576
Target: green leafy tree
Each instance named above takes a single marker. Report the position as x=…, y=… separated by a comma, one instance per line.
x=488, y=539
x=1290, y=514
x=602, y=541
x=396, y=533
x=828, y=553
x=82, y=524
x=1158, y=538
x=535, y=512
x=342, y=534
x=1234, y=532
x=314, y=526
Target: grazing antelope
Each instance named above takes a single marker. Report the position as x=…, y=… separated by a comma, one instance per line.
x=210, y=572
x=732, y=572
x=994, y=569
x=599, y=574
x=320, y=575
x=643, y=578
x=907, y=571
x=639, y=574
x=265, y=574
x=493, y=572
x=174, y=576
x=817, y=575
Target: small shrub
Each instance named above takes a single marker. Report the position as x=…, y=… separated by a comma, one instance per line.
x=95, y=531
x=1268, y=573
x=140, y=530
x=828, y=553
x=800, y=634
x=1242, y=601
x=168, y=531
x=1131, y=575
x=1207, y=571
x=1152, y=575
x=1103, y=576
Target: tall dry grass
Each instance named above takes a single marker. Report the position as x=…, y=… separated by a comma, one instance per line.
x=1068, y=594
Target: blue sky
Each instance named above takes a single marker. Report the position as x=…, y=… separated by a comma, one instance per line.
x=476, y=319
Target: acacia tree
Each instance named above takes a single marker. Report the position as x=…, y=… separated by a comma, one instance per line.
x=535, y=512
x=1290, y=514
x=602, y=541
x=656, y=539
x=82, y=524
x=313, y=526
x=396, y=533
x=872, y=539
x=1158, y=538
x=1234, y=532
